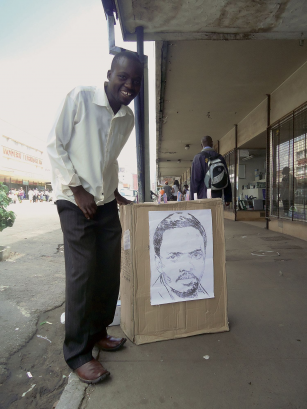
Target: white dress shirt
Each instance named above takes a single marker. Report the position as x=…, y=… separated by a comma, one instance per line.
x=85, y=142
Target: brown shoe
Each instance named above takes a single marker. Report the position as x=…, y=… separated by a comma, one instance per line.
x=108, y=343
x=92, y=372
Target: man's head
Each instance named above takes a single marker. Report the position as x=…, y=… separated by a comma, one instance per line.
x=186, y=186
x=180, y=243
x=206, y=141
x=125, y=79
x=166, y=182
x=286, y=171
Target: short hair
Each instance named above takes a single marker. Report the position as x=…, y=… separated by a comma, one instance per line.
x=175, y=221
x=125, y=54
x=285, y=170
x=207, y=140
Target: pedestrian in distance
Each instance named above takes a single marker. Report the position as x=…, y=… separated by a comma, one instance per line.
x=287, y=190
x=30, y=195
x=47, y=195
x=209, y=171
x=90, y=130
x=175, y=190
x=168, y=190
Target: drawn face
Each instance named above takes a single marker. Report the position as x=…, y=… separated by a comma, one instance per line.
x=182, y=260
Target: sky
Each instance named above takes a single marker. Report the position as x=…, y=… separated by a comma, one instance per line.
x=48, y=47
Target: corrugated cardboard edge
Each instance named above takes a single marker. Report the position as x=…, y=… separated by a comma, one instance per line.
x=146, y=339
x=167, y=335
x=126, y=308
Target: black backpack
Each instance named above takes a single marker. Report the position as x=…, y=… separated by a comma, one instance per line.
x=216, y=177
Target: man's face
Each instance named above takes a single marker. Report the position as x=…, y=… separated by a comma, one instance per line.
x=124, y=81
x=182, y=260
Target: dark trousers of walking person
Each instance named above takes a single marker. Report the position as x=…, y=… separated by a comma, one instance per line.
x=92, y=262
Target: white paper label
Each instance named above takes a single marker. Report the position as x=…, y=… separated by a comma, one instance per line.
x=127, y=240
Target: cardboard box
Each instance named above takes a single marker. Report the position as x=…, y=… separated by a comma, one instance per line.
x=143, y=322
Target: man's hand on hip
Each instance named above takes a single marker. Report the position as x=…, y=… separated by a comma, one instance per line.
x=85, y=201
x=120, y=199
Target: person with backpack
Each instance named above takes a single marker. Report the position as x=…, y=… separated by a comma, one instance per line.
x=209, y=171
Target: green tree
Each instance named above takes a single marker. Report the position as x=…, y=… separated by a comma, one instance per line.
x=7, y=217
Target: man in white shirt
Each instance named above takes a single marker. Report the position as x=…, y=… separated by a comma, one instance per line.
x=90, y=130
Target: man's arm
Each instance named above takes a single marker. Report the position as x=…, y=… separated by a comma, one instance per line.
x=228, y=189
x=121, y=200
x=58, y=139
x=197, y=176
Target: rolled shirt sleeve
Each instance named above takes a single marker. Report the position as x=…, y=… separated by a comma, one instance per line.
x=58, y=139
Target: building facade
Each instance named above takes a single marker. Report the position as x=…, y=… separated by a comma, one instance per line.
x=22, y=164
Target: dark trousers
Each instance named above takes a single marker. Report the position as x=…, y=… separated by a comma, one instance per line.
x=92, y=263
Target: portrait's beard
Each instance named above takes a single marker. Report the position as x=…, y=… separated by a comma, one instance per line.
x=190, y=292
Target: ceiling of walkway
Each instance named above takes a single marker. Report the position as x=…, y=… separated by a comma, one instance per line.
x=207, y=19
x=212, y=85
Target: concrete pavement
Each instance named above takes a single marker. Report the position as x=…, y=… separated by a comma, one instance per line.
x=260, y=363
x=33, y=279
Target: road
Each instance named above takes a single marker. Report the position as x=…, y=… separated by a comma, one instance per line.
x=32, y=281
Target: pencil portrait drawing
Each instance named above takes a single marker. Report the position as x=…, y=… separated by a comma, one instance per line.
x=181, y=256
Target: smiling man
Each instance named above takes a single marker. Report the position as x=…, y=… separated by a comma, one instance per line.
x=180, y=243
x=90, y=130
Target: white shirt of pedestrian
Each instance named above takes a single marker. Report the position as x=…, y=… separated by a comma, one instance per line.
x=85, y=142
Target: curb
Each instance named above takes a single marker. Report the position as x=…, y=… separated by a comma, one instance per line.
x=73, y=393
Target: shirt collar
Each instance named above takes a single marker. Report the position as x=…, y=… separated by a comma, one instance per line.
x=100, y=98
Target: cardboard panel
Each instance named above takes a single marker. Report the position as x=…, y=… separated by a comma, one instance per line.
x=143, y=322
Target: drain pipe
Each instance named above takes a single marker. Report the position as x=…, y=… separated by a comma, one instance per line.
x=139, y=110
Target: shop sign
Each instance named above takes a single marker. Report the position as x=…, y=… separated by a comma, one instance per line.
x=11, y=153
x=25, y=182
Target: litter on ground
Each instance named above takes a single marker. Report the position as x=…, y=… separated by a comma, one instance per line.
x=24, y=394
x=40, y=336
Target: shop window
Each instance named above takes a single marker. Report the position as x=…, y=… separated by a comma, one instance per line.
x=289, y=167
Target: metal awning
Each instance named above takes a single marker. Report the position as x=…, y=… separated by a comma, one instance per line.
x=205, y=87
x=213, y=19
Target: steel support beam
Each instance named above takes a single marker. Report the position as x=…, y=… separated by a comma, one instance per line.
x=141, y=111
x=139, y=123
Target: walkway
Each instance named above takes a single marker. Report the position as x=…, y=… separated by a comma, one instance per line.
x=260, y=363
